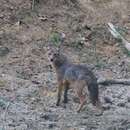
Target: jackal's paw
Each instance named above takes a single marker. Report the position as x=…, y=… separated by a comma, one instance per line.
x=64, y=105
x=65, y=101
x=57, y=104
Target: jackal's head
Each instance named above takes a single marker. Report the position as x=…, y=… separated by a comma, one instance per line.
x=55, y=56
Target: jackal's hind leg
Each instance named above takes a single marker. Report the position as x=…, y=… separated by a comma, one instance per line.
x=82, y=95
x=82, y=102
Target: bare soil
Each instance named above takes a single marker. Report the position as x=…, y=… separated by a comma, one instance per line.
x=28, y=84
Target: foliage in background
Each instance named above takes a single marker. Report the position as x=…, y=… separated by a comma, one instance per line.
x=55, y=38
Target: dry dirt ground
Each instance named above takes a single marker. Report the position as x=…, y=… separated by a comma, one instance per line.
x=28, y=84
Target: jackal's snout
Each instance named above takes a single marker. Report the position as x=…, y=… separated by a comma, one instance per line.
x=52, y=53
x=51, y=60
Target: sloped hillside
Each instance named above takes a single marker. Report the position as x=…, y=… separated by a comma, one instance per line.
x=28, y=84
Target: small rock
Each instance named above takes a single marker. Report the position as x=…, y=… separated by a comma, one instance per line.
x=76, y=100
x=111, y=128
x=43, y=18
x=108, y=99
x=2, y=83
x=1, y=32
x=4, y=51
x=127, y=105
x=12, y=125
x=50, y=126
x=128, y=99
x=76, y=28
x=35, y=82
x=46, y=117
x=82, y=129
x=121, y=104
x=21, y=127
x=87, y=27
x=3, y=103
x=106, y=107
x=1, y=15
x=49, y=117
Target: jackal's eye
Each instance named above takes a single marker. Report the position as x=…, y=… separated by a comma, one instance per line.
x=55, y=55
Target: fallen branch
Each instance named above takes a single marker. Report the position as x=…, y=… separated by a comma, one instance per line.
x=114, y=81
x=118, y=35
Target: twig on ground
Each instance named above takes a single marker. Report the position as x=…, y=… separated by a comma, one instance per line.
x=5, y=114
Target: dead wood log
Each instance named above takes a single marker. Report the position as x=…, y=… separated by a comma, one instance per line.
x=114, y=81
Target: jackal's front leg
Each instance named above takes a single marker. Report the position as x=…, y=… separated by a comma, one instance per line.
x=60, y=88
x=66, y=88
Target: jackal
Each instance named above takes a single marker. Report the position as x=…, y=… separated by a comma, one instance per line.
x=75, y=76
